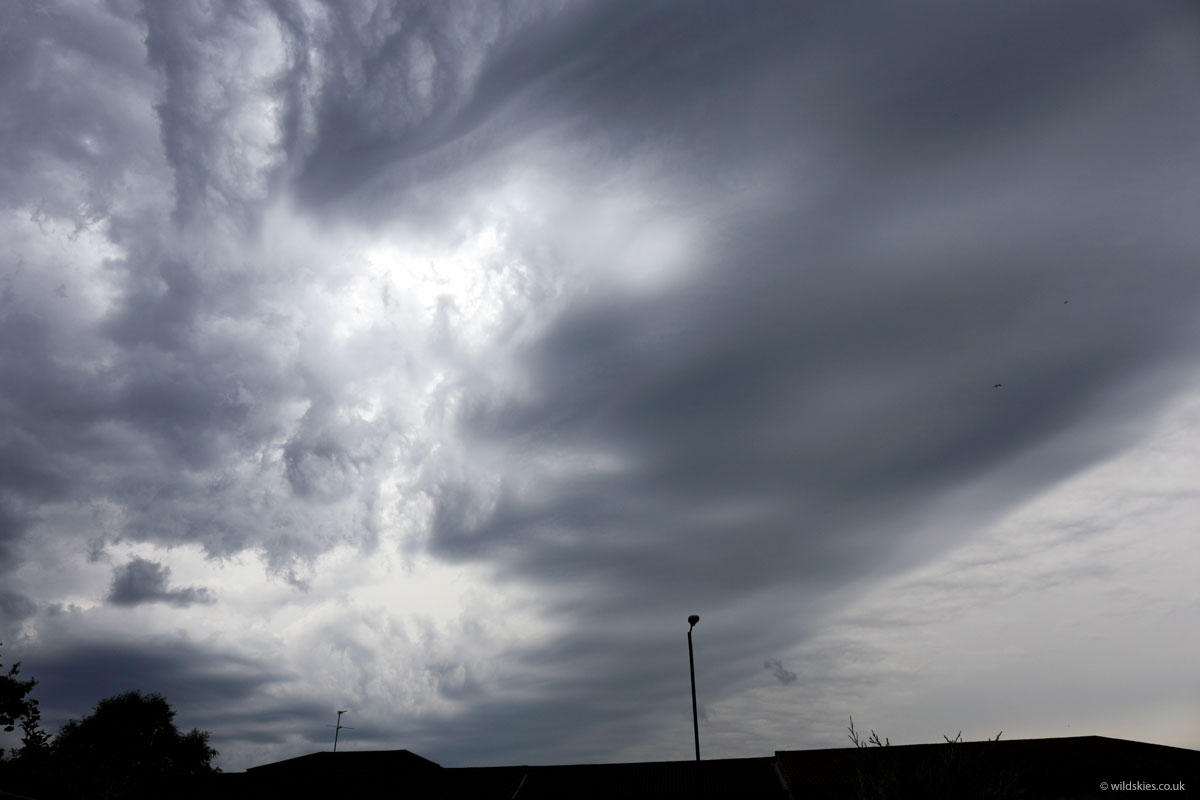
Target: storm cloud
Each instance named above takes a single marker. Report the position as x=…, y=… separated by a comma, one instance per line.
x=436, y=360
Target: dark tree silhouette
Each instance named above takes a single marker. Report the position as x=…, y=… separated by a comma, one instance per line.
x=129, y=747
x=16, y=706
x=21, y=767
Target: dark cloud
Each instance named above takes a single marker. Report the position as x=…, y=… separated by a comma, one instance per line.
x=204, y=686
x=394, y=84
x=15, y=606
x=820, y=381
x=218, y=330
x=775, y=667
x=141, y=581
x=12, y=525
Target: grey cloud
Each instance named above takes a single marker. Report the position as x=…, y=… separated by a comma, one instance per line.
x=141, y=581
x=72, y=677
x=325, y=458
x=775, y=667
x=823, y=381
x=593, y=698
x=13, y=523
x=67, y=118
x=221, y=165
x=786, y=419
x=783, y=440
x=793, y=415
x=944, y=80
x=275, y=725
x=159, y=406
x=212, y=689
x=866, y=92
x=384, y=83
x=23, y=469
x=15, y=607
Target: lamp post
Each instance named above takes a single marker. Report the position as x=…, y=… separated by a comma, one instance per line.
x=692, y=620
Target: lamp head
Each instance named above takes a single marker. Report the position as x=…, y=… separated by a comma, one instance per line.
x=693, y=619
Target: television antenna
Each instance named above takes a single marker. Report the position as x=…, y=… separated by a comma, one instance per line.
x=338, y=728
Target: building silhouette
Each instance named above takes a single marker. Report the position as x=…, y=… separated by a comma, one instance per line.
x=1069, y=767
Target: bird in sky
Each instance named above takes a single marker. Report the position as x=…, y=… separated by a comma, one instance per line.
x=997, y=385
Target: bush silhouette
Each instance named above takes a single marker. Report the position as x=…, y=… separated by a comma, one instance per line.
x=950, y=772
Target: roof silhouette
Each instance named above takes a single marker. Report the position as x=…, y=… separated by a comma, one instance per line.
x=348, y=760
x=1067, y=767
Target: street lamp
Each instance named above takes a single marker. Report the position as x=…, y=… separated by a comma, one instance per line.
x=692, y=620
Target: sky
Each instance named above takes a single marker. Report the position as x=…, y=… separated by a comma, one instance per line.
x=433, y=361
